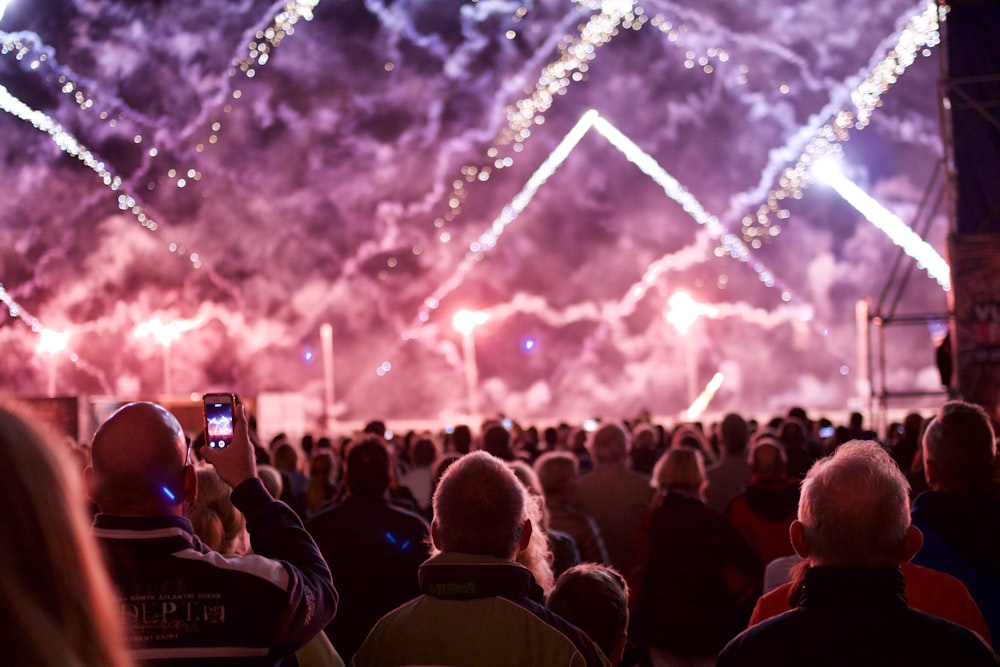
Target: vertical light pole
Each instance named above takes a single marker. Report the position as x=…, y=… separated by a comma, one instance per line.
x=326, y=338
x=52, y=343
x=165, y=333
x=465, y=322
x=683, y=314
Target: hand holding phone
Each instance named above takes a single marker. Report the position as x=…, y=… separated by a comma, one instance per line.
x=234, y=459
x=219, y=419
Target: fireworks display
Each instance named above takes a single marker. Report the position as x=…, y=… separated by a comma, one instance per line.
x=250, y=171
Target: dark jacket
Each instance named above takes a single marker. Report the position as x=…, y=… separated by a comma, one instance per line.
x=856, y=616
x=374, y=549
x=184, y=604
x=691, y=603
x=962, y=538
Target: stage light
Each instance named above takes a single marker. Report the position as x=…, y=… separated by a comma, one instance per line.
x=528, y=344
x=828, y=171
x=3, y=7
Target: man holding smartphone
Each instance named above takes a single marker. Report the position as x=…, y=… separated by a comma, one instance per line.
x=181, y=602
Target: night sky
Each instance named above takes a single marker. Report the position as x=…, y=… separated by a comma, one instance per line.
x=347, y=178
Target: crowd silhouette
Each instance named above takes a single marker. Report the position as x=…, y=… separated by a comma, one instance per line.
x=628, y=542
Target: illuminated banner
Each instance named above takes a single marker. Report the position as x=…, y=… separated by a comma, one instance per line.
x=975, y=262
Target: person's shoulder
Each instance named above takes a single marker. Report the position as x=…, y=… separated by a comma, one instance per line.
x=330, y=514
x=947, y=637
x=406, y=517
x=762, y=644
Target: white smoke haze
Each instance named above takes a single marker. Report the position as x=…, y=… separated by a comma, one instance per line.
x=318, y=191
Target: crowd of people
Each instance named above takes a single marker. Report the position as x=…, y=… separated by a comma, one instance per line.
x=787, y=542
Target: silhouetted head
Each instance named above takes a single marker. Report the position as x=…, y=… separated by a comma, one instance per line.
x=368, y=468
x=610, y=444
x=958, y=448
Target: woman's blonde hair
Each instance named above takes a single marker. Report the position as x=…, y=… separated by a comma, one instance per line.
x=214, y=518
x=56, y=598
x=680, y=470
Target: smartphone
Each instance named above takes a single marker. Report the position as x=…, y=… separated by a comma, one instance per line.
x=219, y=410
x=589, y=425
x=826, y=432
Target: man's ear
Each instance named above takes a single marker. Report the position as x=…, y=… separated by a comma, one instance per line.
x=190, y=483
x=797, y=533
x=91, y=485
x=931, y=474
x=434, y=535
x=525, y=536
x=912, y=542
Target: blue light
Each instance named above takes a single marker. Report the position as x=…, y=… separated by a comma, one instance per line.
x=528, y=344
x=308, y=356
x=168, y=493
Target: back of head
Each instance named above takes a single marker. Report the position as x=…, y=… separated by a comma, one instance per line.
x=959, y=448
x=527, y=476
x=496, y=441
x=375, y=427
x=610, y=444
x=461, y=438
x=424, y=453
x=55, y=598
x=680, y=470
x=912, y=424
x=594, y=598
x=556, y=472
x=479, y=507
x=854, y=507
x=286, y=458
x=767, y=459
x=271, y=478
x=734, y=434
x=368, y=468
x=138, y=458
x=792, y=433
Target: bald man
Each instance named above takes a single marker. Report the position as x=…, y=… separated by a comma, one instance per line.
x=181, y=602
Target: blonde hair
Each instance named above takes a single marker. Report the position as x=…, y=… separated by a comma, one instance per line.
x=214, y=518
x=55, y=595
x=681, y=470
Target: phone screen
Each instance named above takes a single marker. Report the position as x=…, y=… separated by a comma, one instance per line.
x=218, y=420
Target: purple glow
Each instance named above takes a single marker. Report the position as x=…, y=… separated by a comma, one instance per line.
x=323, y=189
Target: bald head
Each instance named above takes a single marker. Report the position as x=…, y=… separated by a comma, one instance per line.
x=139, y=457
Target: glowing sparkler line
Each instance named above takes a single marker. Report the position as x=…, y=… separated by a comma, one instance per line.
x=886, y=221
x=920, y=32
x=72, y=147
x=700, y=404
x=643, y=160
